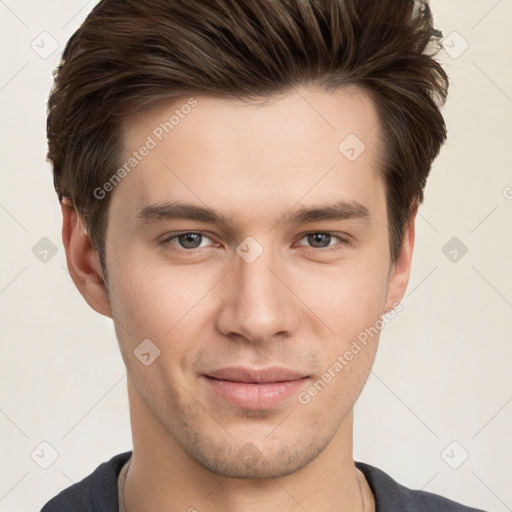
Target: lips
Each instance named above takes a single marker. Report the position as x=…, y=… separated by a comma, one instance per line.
x=268, y=375
x=254, y=389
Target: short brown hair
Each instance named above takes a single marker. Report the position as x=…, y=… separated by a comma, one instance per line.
x=130, y=53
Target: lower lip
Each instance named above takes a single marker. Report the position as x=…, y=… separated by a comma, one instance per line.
x=253, y=395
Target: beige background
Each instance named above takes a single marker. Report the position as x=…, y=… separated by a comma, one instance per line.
x=442, y=373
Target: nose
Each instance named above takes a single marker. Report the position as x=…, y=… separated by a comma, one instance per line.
x=258, y=300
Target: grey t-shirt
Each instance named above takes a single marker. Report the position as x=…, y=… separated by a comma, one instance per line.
x=98, y=493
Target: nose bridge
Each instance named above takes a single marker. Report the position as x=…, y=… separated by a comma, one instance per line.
x=258, y=304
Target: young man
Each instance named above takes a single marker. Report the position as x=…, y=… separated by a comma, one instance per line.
x=239, y=183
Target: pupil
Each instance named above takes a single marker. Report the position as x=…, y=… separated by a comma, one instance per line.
x=188, y=238
x=317, y=238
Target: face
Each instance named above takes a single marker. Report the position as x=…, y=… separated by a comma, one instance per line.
x=250, y=245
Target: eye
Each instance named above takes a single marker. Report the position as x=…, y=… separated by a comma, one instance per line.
x=321, y=240
x=190, y=241
x=186, y=241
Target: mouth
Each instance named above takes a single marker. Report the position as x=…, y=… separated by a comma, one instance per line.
x=255, y=389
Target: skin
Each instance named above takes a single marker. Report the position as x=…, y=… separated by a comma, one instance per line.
x=298, y=305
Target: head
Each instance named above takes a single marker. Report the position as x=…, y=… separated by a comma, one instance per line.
x=255, y=111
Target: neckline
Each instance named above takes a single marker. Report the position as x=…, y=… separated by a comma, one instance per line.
x=367, y=494
x=120, y=484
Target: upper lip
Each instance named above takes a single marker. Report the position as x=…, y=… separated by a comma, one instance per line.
x=240, y=374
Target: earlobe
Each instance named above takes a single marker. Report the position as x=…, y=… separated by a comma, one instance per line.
x=83, y=260
x=400, y=272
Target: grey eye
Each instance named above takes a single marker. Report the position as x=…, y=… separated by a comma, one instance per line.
x=319, y=240
x=190, y=240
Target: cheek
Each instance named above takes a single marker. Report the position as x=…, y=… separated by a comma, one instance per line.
x=160, y=302
x=352, y=311
x=347, y=298
x=153, y=296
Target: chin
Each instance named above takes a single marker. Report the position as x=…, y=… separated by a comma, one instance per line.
x=256, y=460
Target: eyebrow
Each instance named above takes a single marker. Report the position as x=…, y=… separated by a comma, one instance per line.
x=339, y=210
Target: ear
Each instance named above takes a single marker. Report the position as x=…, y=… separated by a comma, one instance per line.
x=400, y=270
x=83, y=260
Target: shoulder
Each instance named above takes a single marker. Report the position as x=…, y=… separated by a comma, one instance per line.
x=98, y=491
x=390, y=496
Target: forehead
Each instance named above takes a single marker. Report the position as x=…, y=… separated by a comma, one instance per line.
x=307, y=144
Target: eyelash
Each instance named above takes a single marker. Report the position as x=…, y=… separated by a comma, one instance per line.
x=168, y=241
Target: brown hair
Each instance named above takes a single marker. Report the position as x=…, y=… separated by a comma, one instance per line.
x=131, y=53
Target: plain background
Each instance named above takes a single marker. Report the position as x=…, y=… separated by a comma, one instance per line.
x=436, y=413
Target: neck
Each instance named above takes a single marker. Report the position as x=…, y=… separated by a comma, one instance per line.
x=162, y=476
